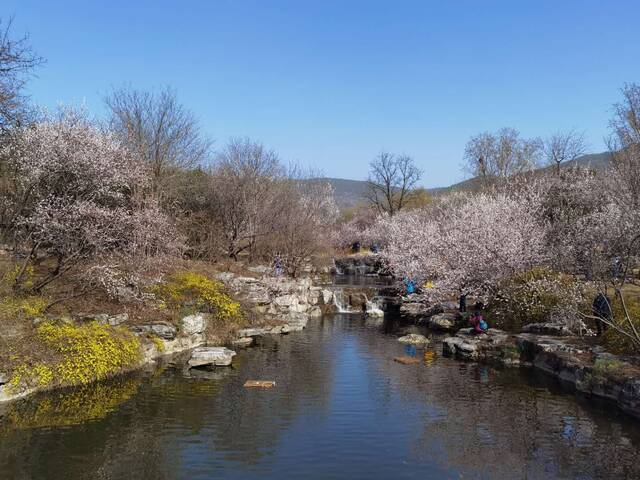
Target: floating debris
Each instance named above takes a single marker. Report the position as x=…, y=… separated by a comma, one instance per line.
x=406, y=360
x=259, y=384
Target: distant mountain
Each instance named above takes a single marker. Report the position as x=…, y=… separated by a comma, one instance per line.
x=347, y=193
x=350, y=193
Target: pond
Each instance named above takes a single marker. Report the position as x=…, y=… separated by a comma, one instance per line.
x=341, y=408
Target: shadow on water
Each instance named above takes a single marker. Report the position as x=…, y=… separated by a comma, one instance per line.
x=341, y=408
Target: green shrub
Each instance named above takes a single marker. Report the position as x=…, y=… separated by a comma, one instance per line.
x=537, y=295
x=616, y=342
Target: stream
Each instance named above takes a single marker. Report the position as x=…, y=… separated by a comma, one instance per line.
x=341, y=408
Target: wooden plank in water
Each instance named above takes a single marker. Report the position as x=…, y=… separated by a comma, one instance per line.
x=259, y=384
x=406, y=360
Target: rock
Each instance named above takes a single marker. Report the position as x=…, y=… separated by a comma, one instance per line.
x=314, y=312
x=259, y=269
x=444, y=321
x=327, y=297
x=104, y=318
x=4, y=378
x=211, y=356
x=162, y=330
x=414, y=339
x=259, y=384
x=251, y=332
x=193, y=324
x=285, y=301
x=417, y=310
x=491, y=345
x=242, y=342
x=406, y=360
x=119, y=319
x=548, y=328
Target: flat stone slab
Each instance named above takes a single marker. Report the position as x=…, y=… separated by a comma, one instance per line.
x=212, y=356
x=259, y=384
x=407, y=360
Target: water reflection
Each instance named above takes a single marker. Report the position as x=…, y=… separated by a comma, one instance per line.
x=341, y=409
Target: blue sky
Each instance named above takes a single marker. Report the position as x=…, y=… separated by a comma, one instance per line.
x=331, y=83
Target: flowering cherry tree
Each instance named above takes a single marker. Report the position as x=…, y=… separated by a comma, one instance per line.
x=81, y=201
x=467, y=243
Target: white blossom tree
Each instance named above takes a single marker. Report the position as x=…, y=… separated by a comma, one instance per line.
x=82, y=203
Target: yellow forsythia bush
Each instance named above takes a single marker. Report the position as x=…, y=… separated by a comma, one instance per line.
x=90, y=351
x=203, y=293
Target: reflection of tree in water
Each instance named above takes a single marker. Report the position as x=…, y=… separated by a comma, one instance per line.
x=153, y=433
x=504, y=424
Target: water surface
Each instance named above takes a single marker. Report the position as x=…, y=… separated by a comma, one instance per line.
x=341, y=409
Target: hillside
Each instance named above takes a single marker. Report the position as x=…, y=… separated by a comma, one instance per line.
x=350, y=193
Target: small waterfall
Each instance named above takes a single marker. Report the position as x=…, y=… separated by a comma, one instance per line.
x=374, y=307
x=342, y=304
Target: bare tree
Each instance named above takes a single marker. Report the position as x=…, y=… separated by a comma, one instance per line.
x=242, y=191
x=391, y=182
x=499, y=156
x=160, y=130
x=17, y=62
x=563, y=147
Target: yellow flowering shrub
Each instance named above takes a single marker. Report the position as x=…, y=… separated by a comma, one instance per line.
x=38, y=375
x=15, y=306
x=201, y=292
x=90, y=351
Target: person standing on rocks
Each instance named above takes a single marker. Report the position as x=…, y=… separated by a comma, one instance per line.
x=602, y=311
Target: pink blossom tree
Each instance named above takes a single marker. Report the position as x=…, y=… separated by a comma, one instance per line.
x=467, y=243
x=81, y=203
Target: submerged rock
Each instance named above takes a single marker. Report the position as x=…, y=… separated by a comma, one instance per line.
x=414, y=339
x=211, y=356
x=242, y=342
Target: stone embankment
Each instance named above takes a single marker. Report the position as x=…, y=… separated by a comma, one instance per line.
x=548, y=347
x=588, y=369
x=282, y=305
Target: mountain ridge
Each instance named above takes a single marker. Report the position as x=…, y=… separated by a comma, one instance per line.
x=350, y=193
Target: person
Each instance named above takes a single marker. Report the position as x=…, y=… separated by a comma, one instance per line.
x=477, y=321
x=602, y=311
x=375, y=248
x=410, y=286
x=463, y=303
x=277, y=266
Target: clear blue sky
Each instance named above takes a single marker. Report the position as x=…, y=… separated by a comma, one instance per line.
x=330, y=83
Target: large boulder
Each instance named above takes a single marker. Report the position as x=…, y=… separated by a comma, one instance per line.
x=444, y=321
x=211, y=356
x=492, y=345
x=192, y=324
x=554, y=329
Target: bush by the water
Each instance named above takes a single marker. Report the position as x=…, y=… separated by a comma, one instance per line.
x=197, y=292
x=537, y=295
x=77, y=355
x=615, y=341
